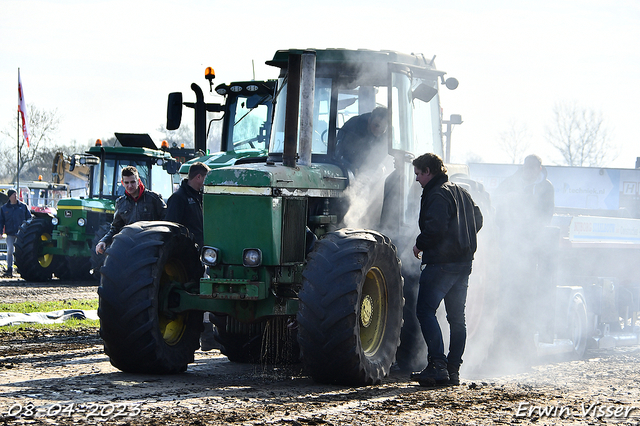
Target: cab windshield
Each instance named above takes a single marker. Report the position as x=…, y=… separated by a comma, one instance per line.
x=111, y=180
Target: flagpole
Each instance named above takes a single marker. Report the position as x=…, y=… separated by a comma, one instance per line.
x=18, y=143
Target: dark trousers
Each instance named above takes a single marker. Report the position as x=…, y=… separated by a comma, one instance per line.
x=448, y=281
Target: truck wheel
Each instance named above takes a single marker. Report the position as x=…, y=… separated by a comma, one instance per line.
x=32, y=265
x=140, y=334
x=578, y=326
x=350, y=313
x=97, y=260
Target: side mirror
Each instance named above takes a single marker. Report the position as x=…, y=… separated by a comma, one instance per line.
x=455, y=119
x=451, y=83
x=424, y=92
x=171, y=166
x=174, y=110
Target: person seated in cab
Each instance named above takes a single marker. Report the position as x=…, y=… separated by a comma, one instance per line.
x=362, y=140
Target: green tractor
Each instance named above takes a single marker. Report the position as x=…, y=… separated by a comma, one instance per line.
x=302, y=257
x=63, y=244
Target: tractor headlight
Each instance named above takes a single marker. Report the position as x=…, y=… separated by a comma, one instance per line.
x=210, y=256
x=251, y=257
x=54, y=221
x=81, y=221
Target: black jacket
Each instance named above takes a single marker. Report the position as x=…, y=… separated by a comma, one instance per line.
x=449, y=222
x=149, y=206
x=12, y=216
x=185, y=207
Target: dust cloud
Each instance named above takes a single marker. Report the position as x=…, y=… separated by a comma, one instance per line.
x=516, y=316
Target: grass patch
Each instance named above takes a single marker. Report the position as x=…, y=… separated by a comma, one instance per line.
x=28, y=307
x=72, y=324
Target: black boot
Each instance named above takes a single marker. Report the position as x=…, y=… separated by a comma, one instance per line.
x=454, y=375
x=435, y=374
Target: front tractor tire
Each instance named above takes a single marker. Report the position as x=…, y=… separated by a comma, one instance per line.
x=350, y=313
x=144, y=259
x=32, y=264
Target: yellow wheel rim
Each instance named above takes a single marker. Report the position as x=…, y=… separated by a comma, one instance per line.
x=172, y=328
x=46, y=259
x=374, y=307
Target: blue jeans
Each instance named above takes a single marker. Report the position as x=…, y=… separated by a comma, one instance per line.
x=11, y=240
x=448, y=281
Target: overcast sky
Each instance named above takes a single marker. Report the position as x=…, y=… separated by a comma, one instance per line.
x=107, y=66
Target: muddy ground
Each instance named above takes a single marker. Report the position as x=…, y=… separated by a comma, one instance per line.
x=65, y=378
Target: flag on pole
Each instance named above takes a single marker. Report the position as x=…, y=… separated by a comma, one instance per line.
x=23, y=110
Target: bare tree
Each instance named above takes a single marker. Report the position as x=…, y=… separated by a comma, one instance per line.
x=580, y=136
x=182, y=135
x=515, y=141
x=43, y=126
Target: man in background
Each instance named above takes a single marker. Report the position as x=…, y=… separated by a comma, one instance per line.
x=12, y=214
x=185, y=205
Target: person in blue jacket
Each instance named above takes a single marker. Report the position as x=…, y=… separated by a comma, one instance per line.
x=12, y=214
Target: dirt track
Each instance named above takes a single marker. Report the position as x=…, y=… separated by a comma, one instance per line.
x=65, y=378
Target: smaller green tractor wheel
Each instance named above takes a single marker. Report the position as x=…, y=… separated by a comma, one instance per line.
x=140, y=332
x=271, y=341
x=351, y=304
x=97, y=260
x=75, y=268
x=32, y=264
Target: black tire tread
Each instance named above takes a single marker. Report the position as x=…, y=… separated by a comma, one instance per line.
x=27, y=245
x=128, y=292
x=327, y=318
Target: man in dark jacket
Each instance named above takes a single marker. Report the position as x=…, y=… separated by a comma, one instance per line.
x=449, y=221
x=137, y=203
x=12, y=214
x=361, y=141
x=185, y=205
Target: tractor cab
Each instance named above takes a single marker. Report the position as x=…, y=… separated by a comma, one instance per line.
x=246, y=124
x=137, y=150
x=351, y=84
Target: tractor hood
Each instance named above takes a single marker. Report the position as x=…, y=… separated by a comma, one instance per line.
x=260, y=178
x=85, y=204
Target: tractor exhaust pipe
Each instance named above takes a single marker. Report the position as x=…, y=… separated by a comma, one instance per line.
x=289, y=153
x=307, y=90
x=200, y=121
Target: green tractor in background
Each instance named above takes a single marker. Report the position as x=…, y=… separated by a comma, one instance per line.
x=63, y=244
x=246, y=121
x=301, y=258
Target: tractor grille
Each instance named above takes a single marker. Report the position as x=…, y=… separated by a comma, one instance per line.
x=96, y=219
x=294, y=221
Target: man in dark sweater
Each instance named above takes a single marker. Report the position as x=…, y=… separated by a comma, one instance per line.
x=185, y=205
x=449, y=221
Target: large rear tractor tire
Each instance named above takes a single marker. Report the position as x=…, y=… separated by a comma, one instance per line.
x=350, y=313
x=31, y=263
x=139, y=336
x=97, y=260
